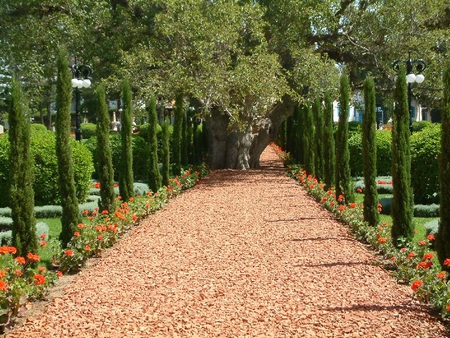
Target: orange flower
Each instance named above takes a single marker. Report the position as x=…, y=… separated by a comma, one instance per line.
x=422, y=243
x=359, y=190
x=18, y=273
x=120, y=216
x=382, y=240
x=69, y=253
x=76, y=234
x=2, y=273
x=7, y=249
x=353, y=205
x=41, y=269
x=20, y=260
x=43, y=243
x=134, y=217
x=340, y=198
x=428, y=256
x=39, y=279
x=3, y=285
x=59, y=274
x=42, y=236
x=447, y=308
x=80, y=226
x=447, y=262
x=33, y=257
x=87, y=248
x=424, y=265
x=105, y=212
x=100, y=237
x=430, y=237
x=341, y=208
x=412, y=255
x=441, y=275
x=97, y=185
x=131, y=199
x=85, y=212
x=416, y=285
x=332, y=204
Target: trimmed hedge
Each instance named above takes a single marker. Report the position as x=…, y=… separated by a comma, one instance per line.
x=46, y=168
x=425, y=148
x=6, y=236
x=88, y=130
x=432, y=227
x=383, y=141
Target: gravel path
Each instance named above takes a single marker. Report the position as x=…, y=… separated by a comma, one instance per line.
x=243, y=254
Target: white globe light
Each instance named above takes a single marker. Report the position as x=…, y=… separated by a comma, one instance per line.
x=420, y=78
x=411, y=78
x=76, y=83
x=86, y=83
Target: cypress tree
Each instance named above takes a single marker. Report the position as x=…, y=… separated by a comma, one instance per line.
x=443, y=236
x=177, y=135
x=402, y=202
x=308, y=141
x=126, y=187
x=69, y=201
x=343, y=177
x=184, y=140
x=289, y=134
x=105, y=167
x=166, y=153
x=297, y=151
x=154, y=179
x=281, y=137
x=328, y=147
x=369, y=151
x=190, y=136
x=318, y=119
x=21, y=175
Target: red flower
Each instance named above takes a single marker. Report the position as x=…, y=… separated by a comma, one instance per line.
x=42, y=236
x=33, y=257
x=382, y=240
x=100, y=237
x=59, y=274
x=412, y=254
x=2, y=273
x=39, y=279
x=441, y=275
x=43, y=243
x=105, y=212
x=97, y=185
x=359, y=190
x=340, y=198
x=41, y=269
x=380, y=207
x=3, y=285
x=447, y=308
x=20, y=260
x=428, y=256
x=76, y=234
x=447, y=262
x=424, y=265
x=416, y=285
x=134, y=217
x=324, y=199
x=85, y=212
x=80, y=226
x=353, y=205
x=69, y=253
x=87, y=248
x=332, y=204
x=119, y=215
x=18, y=273
x=430, y=237
x=341, y=208
x=422, y=243
x=311, y=186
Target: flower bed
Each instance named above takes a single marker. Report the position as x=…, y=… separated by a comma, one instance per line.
x=413, y=263
x=22, y=280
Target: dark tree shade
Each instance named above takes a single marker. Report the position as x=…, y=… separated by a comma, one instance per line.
x=402, y=202
x=105, y=167
x=297, y=151
x=21, y=175
x=328, y=149
x=343, y=177
x=318, y=124
x=126, y=180
x=166, y=153
x=369, y=151
x=443, y=236
x=69, y=202
x=177, y=135
x=154, y=178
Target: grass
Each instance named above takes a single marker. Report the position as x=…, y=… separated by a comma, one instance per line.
x=54, y=229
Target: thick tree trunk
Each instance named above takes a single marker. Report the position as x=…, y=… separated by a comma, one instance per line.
x=241, y=149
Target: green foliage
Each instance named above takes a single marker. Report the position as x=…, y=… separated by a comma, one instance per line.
x=425, y=148
x=369, y=149
x=328, y=143
x=432, y=227
x=428, y=210
x=88, y=130
x=308, y=138
x=354, y=127
x=402, y=203
x=443, y=238
x=343, y=175
x=21, y=175
x=177, y=135
x=154, y=176
x=126, y=157
x=165, y=159
x=419, y=125
x=69, y=200
x=103, y=152
x=318, y=126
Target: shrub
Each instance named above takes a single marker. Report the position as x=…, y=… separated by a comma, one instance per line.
x=425, y=147
x=431, y=210
x=386, y=205
x=48, y=211
x=88, y=130
x=419, y=125
x=45, y=166
x=432, y=227
x=41, y=230
x=383, y=141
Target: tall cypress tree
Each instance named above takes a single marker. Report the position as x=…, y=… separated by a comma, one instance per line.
x=402, y=202
x=328, y=147
x=21, y=175
x=69, y=201
x=177, y=135
x=308, y=141
x=318, y=123
x=297, y=151
x=184, y=140
x=443, y=236
x=154, y=178
x=105, y=167
x=343, y=177
x=126, y=187
x=166, y=153
x=369, y=151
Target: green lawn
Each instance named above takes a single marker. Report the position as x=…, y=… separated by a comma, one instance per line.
x=54, y=225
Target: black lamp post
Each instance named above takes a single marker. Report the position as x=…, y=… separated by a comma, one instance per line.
x=412, y=66
x=80, y=79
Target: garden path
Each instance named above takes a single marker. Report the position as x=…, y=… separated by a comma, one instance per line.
x=243, y=254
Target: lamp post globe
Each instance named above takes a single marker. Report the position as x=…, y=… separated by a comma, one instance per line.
x=80, y=80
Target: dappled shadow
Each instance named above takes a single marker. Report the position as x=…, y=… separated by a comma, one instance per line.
x=328, y=265
x=406, y=306
x=314, y=239
x=297, y=219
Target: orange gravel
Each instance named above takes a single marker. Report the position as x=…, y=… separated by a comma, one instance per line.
x=243, y=254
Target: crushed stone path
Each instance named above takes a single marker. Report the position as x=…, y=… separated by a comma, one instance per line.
x=243, y=254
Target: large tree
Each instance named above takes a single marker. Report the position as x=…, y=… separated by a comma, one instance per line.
x=126, y=181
